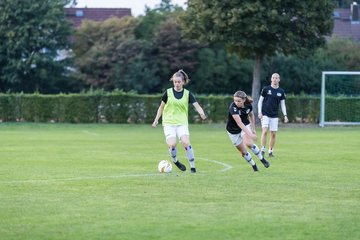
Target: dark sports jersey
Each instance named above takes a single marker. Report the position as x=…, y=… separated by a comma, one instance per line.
x=178, y=95
x=231, y=125
x=272, y=97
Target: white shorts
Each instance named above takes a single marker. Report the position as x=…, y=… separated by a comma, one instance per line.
x=236, y=139
x=271, y=123
x=173, y=131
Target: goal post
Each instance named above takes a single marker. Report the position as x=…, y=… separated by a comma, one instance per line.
x=353, y=91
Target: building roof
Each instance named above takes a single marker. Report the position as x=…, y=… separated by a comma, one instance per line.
x=77, y=15
x=344, y=27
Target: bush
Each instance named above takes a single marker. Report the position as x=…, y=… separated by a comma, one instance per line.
x=120, y=107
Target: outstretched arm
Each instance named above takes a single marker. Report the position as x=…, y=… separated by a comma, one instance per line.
x=243, y=127
x=158, y=114
x=199, y=110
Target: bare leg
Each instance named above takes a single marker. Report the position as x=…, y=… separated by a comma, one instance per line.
x=272, y=140
x=189, y=151
x=272, y=143
x=246, y=155
x=247, y=141
x=171, y=142
x=263, y=137
x=253, y=147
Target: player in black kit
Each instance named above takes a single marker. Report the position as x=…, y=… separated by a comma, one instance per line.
x=241, y=128
x=268, y=106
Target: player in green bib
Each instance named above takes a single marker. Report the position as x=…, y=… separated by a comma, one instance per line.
x=174, y=108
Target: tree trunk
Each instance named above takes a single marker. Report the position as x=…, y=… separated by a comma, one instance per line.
x=256, y=84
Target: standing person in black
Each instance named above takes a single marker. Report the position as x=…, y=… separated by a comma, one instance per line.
x=268, y=107
x=241, y=128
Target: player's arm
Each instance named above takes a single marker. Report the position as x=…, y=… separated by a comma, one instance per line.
x=243, y=127
x=283, y=109
x=199, y=109
x=158, y=114
x=261, y=99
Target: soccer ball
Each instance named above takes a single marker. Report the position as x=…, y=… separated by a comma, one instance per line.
x=164, y=166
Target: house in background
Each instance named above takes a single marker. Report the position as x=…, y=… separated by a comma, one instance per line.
x=77, y=15
x=347, y=22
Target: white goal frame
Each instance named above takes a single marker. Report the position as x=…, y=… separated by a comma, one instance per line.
x=322, y=121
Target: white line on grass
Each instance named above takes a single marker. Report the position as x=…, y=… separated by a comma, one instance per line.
x=226, y=167
x=80, y=178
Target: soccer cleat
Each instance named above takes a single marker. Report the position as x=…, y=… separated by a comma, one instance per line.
x=180, y=166
x=271, y=154
x=193, y=170
x=255, y=168
x=266, y=163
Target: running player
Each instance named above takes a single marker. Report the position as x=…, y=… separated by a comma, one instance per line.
x=241, y=128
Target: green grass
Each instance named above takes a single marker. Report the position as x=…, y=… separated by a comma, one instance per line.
x=88, y=181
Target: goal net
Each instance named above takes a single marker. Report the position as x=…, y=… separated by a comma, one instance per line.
x=340, y=98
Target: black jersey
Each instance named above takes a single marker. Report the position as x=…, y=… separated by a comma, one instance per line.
x=272, y=97
x=244, y=112
x=179, y=95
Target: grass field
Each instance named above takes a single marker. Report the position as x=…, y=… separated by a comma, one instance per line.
x=91, y=181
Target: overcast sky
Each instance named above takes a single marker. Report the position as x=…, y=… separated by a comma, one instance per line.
x=137, y=6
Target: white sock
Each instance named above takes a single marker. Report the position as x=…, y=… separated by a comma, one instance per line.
x=248, y=158
x=173, y=153
x=256, y=151
x=190, y=155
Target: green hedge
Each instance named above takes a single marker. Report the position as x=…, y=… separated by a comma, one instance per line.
x=120, y=107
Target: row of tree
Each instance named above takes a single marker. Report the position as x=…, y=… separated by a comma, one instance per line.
x=223, y=46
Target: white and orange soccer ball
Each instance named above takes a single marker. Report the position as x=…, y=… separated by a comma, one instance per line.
x=164, y=166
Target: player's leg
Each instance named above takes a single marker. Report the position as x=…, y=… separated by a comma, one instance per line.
x=238, y=142
x=250, y=143
x=255, y=149
x=272, y=143
x=245, y=138
x=273, y=126
x=170, y=135
x=264, y=126
x=183, y=132
x=247, y=156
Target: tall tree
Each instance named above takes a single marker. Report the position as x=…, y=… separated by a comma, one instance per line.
x=154, y=17
x=172, y=51
x=98, y=47
x=255, y=28
x=31, y=33
x=108, y=56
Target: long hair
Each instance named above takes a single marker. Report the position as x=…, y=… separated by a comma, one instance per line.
x=181, y=74
x=242, y=94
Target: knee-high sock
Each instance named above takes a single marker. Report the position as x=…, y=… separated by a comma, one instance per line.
x=190, y=156
x=173, y=153
x=256, y=151
x=248, y=158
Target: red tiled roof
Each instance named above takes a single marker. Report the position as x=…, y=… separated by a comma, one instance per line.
x=77, y=15
x=344, y=27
